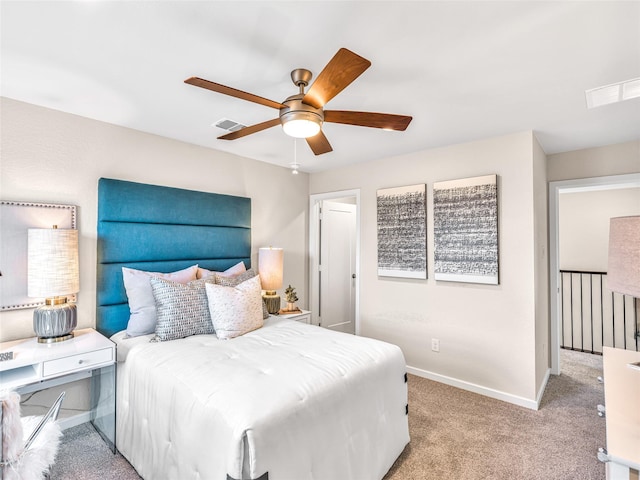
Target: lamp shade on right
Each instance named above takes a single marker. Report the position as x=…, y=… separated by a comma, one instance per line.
x=623, y=275
x=270, y=267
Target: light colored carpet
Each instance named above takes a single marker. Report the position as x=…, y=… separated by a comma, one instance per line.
x=454, y=435
x=461, y=435
x=83, y=455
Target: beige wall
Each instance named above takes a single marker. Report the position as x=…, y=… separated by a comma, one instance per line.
x=54, y=157
x=492, y=338
x=617, y=159
x=487, y=333
x=541, y=257
x=583, y=220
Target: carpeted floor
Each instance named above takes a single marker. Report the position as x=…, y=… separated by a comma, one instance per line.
x=454, y=435
x=462, y=435
x=83, y=455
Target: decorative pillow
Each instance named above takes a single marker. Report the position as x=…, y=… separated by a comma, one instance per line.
x=237, y=280
x=235, y=310
x=142, y=305
x=229, y=272
x=182, y=309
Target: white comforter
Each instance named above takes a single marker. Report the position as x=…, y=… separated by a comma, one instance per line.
x=291, y=400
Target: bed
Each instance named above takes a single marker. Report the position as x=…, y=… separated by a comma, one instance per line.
x=284, y=401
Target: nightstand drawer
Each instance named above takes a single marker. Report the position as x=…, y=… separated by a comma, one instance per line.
x=76, y=362
x=304, y=318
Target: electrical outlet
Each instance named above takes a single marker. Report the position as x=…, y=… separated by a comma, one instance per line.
x=435, y=344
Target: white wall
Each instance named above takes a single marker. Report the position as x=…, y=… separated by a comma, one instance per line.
x=492, y=337
x=584, y=225
x=616, y=159
x=54, y=157
x=541, y=257
x=487, y=333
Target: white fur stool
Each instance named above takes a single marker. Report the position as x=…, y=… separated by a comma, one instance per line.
x=30, y=458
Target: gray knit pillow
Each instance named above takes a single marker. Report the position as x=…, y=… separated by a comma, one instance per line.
x=182, y=309
x=236, y=280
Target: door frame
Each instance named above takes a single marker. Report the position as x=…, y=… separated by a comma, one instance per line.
x=314, y=245
x=555, y=189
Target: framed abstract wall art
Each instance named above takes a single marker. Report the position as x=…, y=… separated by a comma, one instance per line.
x=465, y=216
x=402, y=232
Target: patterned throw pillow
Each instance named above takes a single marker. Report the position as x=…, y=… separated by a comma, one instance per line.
x=182, y=309
x=235, y=310
x=237, y=280
x=140, y=296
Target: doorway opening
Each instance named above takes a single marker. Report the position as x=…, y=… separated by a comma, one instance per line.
x=334, y=256
x=556, y=189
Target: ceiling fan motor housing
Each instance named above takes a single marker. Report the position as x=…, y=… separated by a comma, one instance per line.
x=297, y=110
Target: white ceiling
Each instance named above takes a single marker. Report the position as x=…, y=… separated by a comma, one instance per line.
x=463, y=70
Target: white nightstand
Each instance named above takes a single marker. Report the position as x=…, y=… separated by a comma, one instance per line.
x=37, y=366
x=304, y=316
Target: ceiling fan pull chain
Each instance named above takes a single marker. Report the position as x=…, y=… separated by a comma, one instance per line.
x=294, y=165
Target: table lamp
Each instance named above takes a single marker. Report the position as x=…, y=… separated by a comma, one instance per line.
x=52, y=257
x=270, y=268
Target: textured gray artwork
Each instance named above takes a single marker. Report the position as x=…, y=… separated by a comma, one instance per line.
x=465, y=216
x=402, y=232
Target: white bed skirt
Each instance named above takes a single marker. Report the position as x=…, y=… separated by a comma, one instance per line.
x=290, y=400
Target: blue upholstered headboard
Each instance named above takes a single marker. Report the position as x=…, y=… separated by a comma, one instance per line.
x=162, y=229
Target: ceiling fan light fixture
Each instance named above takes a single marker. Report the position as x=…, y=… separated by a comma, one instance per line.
x=301, y=124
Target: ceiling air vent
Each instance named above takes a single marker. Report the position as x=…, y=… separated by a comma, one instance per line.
x=229, y=125
x=616, y=92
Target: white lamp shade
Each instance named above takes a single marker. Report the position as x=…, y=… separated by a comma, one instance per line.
x=623, y=275
x=52, y=258
x=270, y=267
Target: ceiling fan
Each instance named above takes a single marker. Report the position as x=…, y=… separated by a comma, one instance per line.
x=303, y=114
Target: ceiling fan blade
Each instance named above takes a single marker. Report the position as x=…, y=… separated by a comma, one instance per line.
x=319, y=144
x=342, y=69
x=243, y=132
x=386, y=121
x=216, y=87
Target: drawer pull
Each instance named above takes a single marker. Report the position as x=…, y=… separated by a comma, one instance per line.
x=80, y=362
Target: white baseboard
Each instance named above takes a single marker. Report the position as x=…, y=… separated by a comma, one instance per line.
x=74, y=420
x=472, y=387
x=542, y=388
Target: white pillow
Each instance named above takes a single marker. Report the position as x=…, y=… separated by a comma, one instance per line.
x=142, y=305
x=229, y=272
x=235, y=280
x=235, y=310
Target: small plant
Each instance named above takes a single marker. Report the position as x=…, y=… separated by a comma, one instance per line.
x=290, y=292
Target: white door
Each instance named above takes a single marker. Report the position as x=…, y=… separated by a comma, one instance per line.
x=337, y=266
